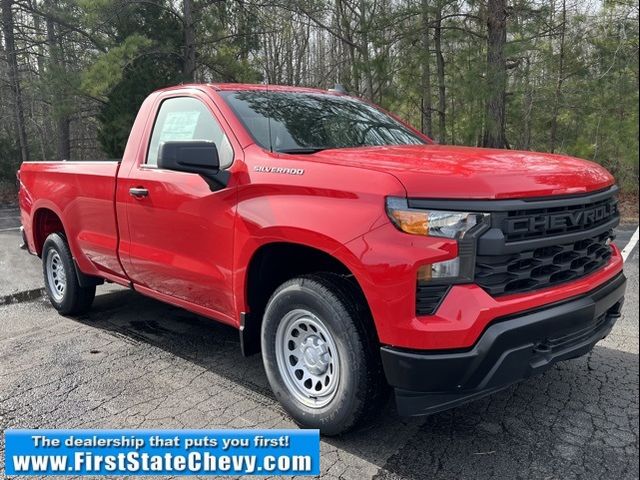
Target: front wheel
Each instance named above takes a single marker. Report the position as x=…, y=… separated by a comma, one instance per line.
x=320, y=360
x=61, y=280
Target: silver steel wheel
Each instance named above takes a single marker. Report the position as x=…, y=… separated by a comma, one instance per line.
x=307, y=358
x=56, y=276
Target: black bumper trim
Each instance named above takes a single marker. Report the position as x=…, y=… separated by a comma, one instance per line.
x=509, y=350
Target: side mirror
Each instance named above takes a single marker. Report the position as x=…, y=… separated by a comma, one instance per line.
x=192, y=156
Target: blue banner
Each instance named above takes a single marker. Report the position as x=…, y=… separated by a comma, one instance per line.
x=162, y=452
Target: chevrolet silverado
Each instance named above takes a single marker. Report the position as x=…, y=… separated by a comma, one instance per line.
x=344, y=245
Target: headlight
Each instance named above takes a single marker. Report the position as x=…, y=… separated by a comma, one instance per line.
x=432, y=223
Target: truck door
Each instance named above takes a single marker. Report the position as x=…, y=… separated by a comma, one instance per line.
x=180, y=231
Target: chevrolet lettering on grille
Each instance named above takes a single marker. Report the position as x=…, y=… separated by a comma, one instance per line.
x=560, y=220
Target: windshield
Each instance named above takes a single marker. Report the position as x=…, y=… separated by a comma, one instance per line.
x=309, y=122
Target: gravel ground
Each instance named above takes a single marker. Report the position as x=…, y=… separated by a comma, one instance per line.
x=136, y=363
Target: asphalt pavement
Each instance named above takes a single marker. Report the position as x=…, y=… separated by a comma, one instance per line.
x=133, y=362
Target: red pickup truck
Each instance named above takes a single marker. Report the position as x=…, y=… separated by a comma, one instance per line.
x=343, y=244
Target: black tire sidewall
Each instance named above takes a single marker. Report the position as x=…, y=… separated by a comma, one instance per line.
x=57, y=242
x=344, y=408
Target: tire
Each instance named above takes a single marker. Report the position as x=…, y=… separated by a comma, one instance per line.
x=320, y=321
x=61, y=280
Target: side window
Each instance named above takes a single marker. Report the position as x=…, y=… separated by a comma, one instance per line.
x=184, y=118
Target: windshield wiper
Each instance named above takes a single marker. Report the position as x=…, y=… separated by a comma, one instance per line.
x=302, y=150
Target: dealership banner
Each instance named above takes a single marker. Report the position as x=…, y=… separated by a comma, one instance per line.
x=162, y=452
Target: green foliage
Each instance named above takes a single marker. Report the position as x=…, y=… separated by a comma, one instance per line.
x=108, y=55
x=145, y=56
x=123, y=101
x=108, y=70
x=597, y=105
x=9, y=159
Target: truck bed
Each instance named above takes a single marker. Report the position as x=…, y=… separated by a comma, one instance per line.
x=83, y=192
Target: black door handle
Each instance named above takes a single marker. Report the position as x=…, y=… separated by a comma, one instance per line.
x=138, y=192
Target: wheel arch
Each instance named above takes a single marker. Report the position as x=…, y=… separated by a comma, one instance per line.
x=270, y=266
x=45, y=222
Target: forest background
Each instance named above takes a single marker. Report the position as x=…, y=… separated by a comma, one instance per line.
x=554, y=76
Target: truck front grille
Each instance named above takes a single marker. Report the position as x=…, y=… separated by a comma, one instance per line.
x=527, y=244
x=542, y=267
x=545, y=242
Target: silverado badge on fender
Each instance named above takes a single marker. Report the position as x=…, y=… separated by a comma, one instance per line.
x=283, y=170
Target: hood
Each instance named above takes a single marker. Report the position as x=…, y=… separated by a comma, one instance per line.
x=441, y=171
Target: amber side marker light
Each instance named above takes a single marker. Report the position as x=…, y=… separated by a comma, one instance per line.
x=415, y=223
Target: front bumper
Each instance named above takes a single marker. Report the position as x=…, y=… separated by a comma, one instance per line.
x=510, y=349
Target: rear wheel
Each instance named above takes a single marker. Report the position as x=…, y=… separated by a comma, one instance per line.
x=320, y=360
x=61, y=279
